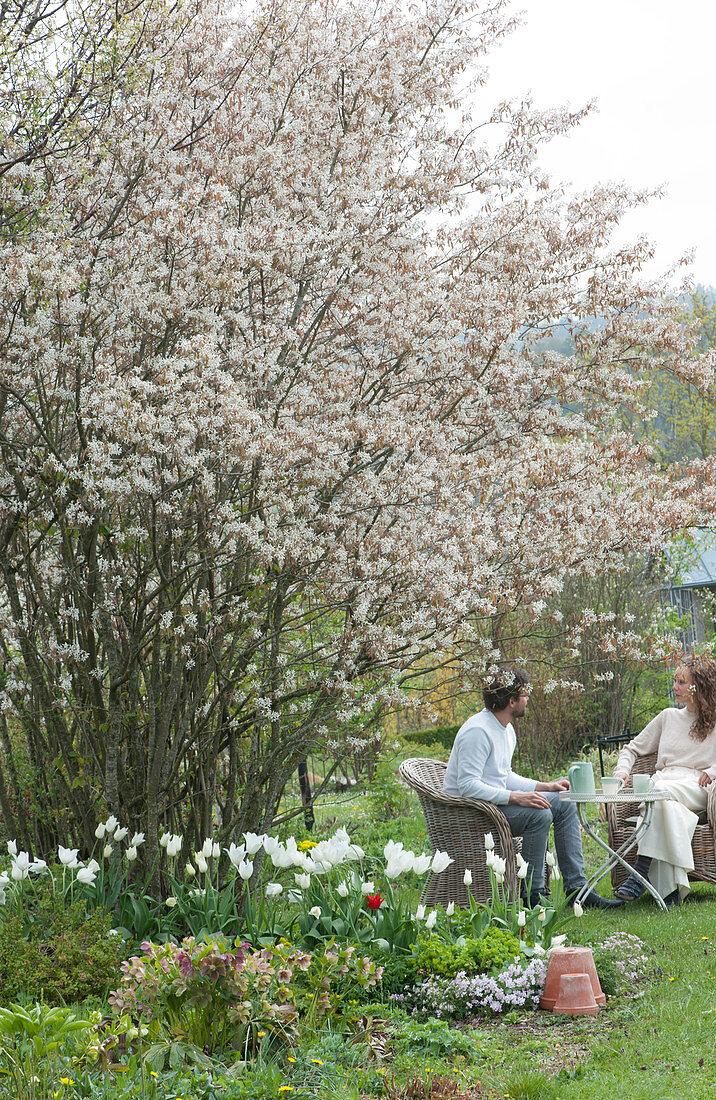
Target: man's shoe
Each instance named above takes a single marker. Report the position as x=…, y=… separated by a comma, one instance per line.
x=596, y=901
x=672, y=899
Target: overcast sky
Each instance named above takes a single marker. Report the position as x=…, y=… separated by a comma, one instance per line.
x=650, y=64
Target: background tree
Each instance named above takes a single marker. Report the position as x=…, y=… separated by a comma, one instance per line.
x=274, y=424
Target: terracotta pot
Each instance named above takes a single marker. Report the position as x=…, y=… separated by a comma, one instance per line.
x=569, y=960
x=575, y=996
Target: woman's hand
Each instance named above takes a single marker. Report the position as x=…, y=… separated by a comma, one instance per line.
x=704, y=779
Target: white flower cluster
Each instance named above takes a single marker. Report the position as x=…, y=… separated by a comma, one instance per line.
x=400, y=860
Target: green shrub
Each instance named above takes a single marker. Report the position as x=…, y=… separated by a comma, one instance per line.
x=433, y=735
x=56, y=953
x=399, y=970
x=474, y=955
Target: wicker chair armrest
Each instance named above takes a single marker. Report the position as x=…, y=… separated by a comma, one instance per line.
x=711, y=807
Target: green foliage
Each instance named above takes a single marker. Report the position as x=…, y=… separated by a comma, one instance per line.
x=56, y=953
x=529, y=1085
x=398, y=971
x=207, y=994
x=607, y=970
x=433, y=735
x=35, y=1048
x=491, y=951
x=435, y=1039
x=387, y=794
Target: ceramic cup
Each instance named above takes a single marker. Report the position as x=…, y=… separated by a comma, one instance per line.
x=641, y=783
x=611, y=784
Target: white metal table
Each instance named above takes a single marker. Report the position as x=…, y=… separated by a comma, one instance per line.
x=631, y=798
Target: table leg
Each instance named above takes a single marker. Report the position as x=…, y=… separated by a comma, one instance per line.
x=617, y=856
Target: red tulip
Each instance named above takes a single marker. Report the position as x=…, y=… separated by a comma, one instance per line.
x=374, y=901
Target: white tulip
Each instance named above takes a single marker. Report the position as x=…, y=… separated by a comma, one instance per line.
x=236, y=853
x=441, y=861
x=38, y=867
x=164, y=840
x=367, y=887
x=315, y=911
x=467, y=877
x=542, y=915
x=86, y=876
x=246, y=869
x=121, y=833
x=421, y=864
x=131, y=854
x=449, y=908
x=253, y=843
x=18, y=872
x=521, y=919
x=578, y=911
x=499, y=866
x=489, y=842
x=273, y=889
x=304, y=881
x=108, y=849
x=342, y=889
x=100, y=831
x=201, y=864
x=431, y=919
x=174, y=844
x=12, y=847
x=207, y=848
x=420, y=913
x=93, y=865
x=271, y=843
x=170, y=902
x=68, y=857
x=111, y=823
x=216, y=851
x=557, y=941
x=136, y=840
x=556, y=874
x=189, y=871
x=550, y=859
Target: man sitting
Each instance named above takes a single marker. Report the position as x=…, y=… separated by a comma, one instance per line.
x=480, y=766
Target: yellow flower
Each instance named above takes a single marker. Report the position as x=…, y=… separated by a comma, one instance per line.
x=260, y=1034
x=66, y=1081
x=317, y=1061
x=292, y=1059
x=306, y=845
x=286, y=1088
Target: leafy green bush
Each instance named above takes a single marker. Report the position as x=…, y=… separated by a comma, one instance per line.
x=433, y=735
x=435, y=1039
x=56, y=953
x=490, y=951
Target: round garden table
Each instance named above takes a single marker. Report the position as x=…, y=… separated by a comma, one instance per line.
x=646, y=800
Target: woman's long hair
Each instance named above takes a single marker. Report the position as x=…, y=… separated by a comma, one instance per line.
x=703, y=674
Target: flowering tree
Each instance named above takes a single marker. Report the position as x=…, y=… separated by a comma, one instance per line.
x=275, y=425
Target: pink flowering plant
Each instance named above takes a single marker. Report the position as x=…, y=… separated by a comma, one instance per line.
x=220, y=996
x=215, y=995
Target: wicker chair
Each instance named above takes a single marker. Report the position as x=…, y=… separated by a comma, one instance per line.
x=620, y=826
x=458, y=826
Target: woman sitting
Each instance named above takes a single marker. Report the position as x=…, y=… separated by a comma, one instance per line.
x=684, y=739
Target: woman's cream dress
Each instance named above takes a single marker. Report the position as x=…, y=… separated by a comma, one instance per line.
x=679, y=763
